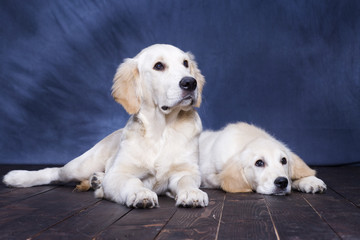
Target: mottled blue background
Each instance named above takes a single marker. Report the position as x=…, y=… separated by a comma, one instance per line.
x=291, y=67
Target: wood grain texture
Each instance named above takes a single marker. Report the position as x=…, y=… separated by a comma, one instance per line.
x=141, y=223
x=195, y=223
x=87, y=223
x=339, y=213
x=15, y=195
x=293, y=217
x=343, y=180
x=27, y=218
x=56, y=212
x=246, y=219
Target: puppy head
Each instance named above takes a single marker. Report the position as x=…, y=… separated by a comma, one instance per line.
x=262, y=166
x=267, y=166
x=160, y=76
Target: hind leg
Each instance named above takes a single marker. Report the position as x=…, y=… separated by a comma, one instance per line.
x=24, y=178
x=96, y=184
x=92, y=161
x=83, y=186
x=93, y=182
x=78, y=169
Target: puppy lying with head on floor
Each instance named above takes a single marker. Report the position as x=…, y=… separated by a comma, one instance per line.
x=157, y=151
x=244, y=158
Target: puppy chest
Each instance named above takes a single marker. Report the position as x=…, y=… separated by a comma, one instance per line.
x=161, y=150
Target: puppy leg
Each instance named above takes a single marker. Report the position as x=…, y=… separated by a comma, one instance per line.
x=94, y=182
x=73, y=171
x=141, y=198
x=309, y=184
x=23, y=178
x=128, y=190
x=303, y=177
x=83, y=186
x=186, y=185
x=78, y=169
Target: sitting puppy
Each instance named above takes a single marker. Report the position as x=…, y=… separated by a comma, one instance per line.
x=157, y=151
x=244, y=158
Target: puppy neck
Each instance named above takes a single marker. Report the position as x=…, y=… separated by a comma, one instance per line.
x=154, y=122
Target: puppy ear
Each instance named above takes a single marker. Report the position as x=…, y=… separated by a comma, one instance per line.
x=298, y=168
x=198, y=76
x=232, y=178
x=126, y=89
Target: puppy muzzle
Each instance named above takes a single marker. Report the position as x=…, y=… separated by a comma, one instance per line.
x=281, y=184
x=188, y=86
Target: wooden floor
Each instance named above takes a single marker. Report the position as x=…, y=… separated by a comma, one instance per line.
x=56, y=212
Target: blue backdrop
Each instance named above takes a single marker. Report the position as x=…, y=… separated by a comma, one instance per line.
x=291, y=67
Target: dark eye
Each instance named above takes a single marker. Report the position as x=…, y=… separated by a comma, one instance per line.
x=186, y=63
x=283, y=161
x=159, y=66
x=259, y=163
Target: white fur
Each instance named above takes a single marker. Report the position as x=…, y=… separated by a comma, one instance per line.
x=228, y=157
x=157, y=151
x=309, y=184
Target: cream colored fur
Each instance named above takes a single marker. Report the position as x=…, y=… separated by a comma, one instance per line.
x=157, y=151
x=228, y=161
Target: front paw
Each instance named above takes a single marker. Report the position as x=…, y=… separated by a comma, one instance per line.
x=142, y=199
x=192, y=198
x=310, y=184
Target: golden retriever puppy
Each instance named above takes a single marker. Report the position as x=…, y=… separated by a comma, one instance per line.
x=244, y=158
x=157, y=151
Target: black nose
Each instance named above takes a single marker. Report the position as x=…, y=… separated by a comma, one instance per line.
x=188, y=83
x=281, y=182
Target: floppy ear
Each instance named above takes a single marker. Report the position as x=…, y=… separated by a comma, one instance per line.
x=126, y=87
x=198, y=76
x=299, y=169
x=232, y=178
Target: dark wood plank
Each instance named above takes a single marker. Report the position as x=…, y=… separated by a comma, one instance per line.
x=121, y=231
x=18, y=194
x=340, y=214
x=196, y=223
x=343, y=180
x=293, y=217
x=247, y=229
x=141, y=223
x=87, y=223
x=245, y=216
x=27, y=218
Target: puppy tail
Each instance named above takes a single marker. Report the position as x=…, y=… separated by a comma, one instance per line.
x=24, y=178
